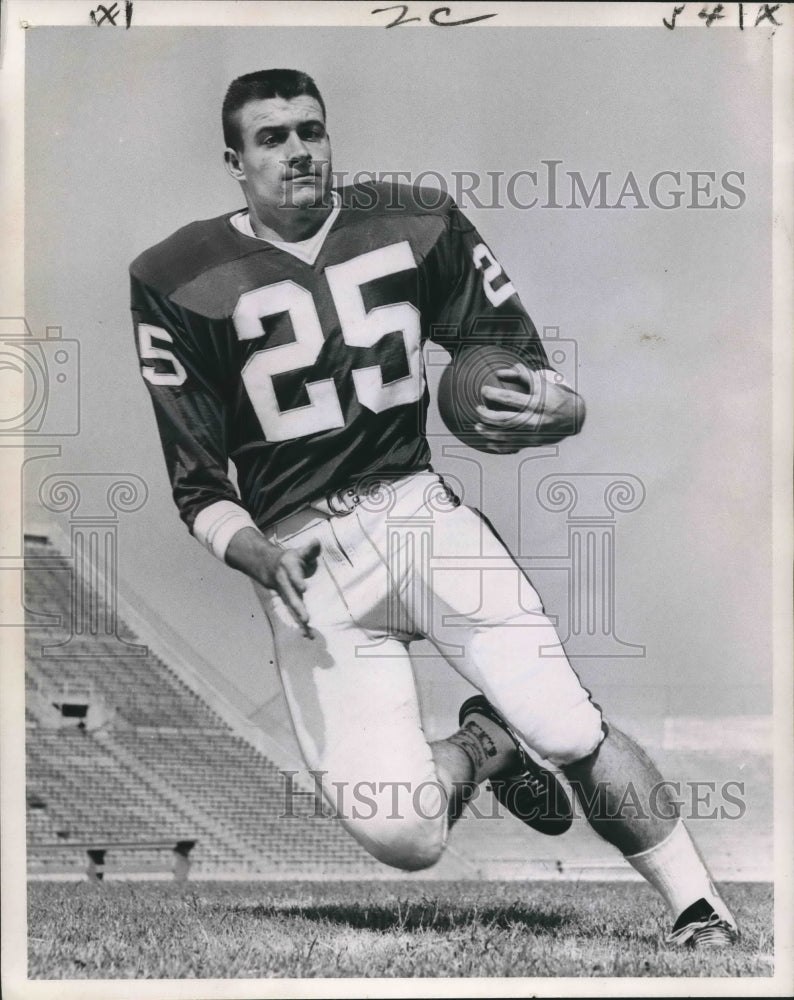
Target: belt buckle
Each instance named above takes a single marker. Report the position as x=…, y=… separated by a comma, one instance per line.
x=344, y=501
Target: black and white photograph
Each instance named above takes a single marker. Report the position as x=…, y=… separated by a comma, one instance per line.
x=396, y=535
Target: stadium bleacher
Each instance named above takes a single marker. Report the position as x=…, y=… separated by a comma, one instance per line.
x=128, y=742
x=121, y=749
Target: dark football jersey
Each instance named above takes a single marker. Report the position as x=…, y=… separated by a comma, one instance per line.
x=309, y=376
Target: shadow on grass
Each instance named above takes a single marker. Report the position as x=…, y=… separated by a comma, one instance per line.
x=413, y=916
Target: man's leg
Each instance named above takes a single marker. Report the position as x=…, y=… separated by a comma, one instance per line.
x=512, y=653
x=623, y=794
x=627, y=803
x=354, y=708
x=477, y=751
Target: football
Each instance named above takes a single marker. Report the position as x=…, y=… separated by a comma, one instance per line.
x=461, y=385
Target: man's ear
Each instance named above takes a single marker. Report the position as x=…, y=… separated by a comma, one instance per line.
x=233, y=164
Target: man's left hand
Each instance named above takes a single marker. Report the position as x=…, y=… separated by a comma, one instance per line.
x=540, y=410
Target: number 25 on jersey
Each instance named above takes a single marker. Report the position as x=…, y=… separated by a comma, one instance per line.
x=360, y=328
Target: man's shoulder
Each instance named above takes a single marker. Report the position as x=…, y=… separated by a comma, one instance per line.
x=382, y=198
x=180, y=257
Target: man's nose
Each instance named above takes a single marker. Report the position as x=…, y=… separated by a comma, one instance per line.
x=297, y=149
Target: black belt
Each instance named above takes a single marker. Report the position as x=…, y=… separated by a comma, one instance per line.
x=345, y=500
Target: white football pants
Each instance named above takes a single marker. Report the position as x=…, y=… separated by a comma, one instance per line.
x=409, y=563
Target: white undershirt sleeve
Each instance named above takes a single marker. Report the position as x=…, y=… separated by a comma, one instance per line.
x=215, y=525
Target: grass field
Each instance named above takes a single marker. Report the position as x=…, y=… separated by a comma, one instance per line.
x=161, y=930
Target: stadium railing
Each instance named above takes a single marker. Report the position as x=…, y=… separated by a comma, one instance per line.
x=98, y=849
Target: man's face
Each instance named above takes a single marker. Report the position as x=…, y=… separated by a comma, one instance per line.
x=285, y=161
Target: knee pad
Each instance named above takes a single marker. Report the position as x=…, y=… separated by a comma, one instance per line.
x=410, y=855
x=573, y=737
x=411, y=838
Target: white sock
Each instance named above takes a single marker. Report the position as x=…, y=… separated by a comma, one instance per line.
x=675, y=869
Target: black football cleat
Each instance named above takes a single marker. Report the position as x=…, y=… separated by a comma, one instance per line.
x=532, y=794
x=700, y=926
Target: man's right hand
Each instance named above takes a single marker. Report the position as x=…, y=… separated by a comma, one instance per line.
x=284, y=571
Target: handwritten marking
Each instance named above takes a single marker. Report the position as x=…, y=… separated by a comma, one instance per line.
x=433, y=16
x=765, y=13
x=710, y=16
x=101, y=14
x=107, y=15
x=401, y=18
x=676, y=12
x=454, y=24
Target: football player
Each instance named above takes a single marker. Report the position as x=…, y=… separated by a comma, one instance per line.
x=287, y=337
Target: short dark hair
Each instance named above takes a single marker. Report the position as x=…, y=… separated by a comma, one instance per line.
x=261, y=86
